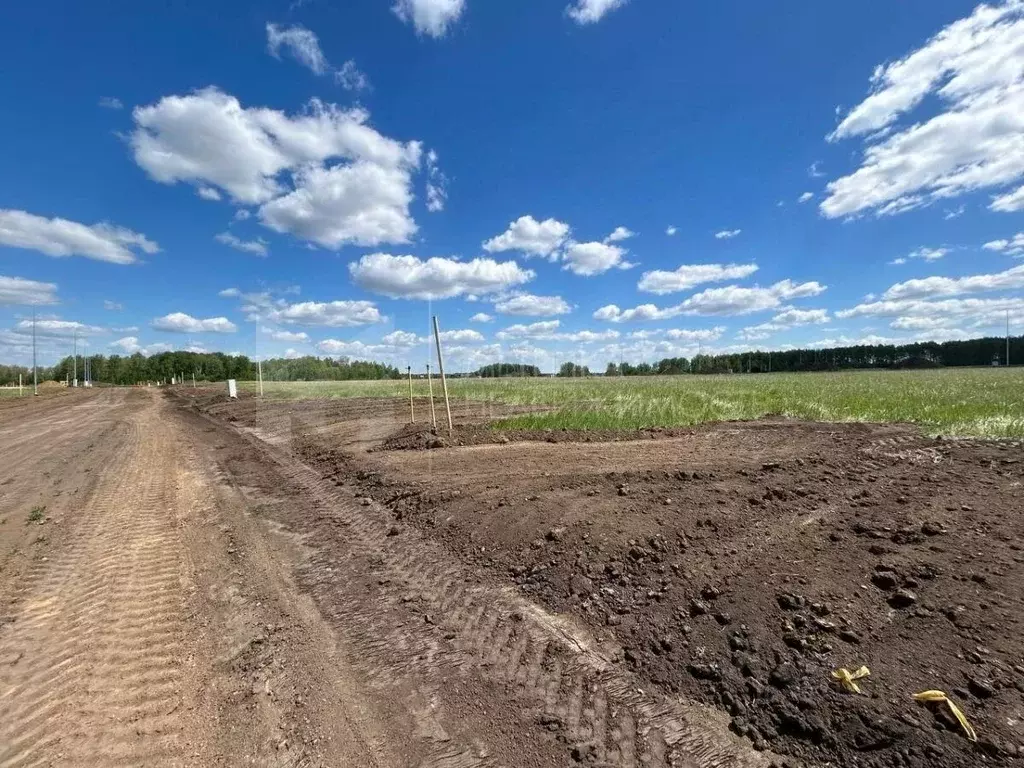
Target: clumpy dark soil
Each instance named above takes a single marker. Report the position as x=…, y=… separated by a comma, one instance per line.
x=740, y=564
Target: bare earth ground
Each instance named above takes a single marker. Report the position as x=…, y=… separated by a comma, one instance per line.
x=178, y=592
x=733, y=565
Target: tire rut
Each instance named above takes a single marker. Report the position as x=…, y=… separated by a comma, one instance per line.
x=89, y=671
x=557, y=673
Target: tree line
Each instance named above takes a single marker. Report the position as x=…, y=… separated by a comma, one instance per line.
x=216, y=366
x=924, y=354
x=206, y=366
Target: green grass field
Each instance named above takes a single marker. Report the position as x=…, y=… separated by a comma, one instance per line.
x=985, y=402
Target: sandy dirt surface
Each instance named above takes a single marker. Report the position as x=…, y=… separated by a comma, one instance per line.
x=733, y=566
x=179, y=591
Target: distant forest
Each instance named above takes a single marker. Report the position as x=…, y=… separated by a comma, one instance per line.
x=137, y=368
x=927, y=354
x=215, y=366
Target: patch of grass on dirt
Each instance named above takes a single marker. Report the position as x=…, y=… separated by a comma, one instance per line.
x=36, y=514
x=984, y=402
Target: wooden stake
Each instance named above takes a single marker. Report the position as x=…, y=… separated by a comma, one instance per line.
x=444, y=381
x=430, y=387
x=412, y=408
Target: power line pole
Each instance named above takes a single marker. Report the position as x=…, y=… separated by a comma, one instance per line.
x=1007, y=338
x=75, y=377
x=35, y=372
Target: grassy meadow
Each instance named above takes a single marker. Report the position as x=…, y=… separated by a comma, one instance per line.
x=985, y=402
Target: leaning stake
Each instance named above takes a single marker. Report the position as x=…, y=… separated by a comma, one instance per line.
x=444, y=381
x=430, y=389
x=412, y=409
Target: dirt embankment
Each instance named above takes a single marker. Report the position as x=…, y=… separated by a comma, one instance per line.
x=740, y=564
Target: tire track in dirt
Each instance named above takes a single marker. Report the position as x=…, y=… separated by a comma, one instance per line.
x=89, y=672
x=554, y=668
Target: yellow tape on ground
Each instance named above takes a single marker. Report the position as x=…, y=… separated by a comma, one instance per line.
x=940, y=697
x=847, y=678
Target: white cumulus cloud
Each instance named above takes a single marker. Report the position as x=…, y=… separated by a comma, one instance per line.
x=481, y=317
x=430, y=17
x=529, y=305
x=407, y=277
x=1011, y=247
x=689, y=275
x=588, y=259
x=323, y=175
x=670, y=231
x=179, y=322
x=953, y=286
x=532, y=237
x=727, y=234
x=619, y=234
x=725, y=301
x=974, y=69
x=18, y=290
x=289, y=336
x=257, y=246
x=592, y=11
x=61, y=237
x=805, y=197
x=330, y=314
x=57, y=329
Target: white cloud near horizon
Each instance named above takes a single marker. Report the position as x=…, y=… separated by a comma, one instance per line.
x=61, y=238
x=327, y=314
x=179, y=322
x=953, y=286
x=727, y=301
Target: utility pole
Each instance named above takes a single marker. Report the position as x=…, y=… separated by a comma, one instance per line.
x=259, y=366
x=35, y=371
x=75, y=364
x=1007, y=338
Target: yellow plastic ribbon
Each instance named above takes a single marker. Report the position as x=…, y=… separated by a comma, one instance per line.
x=848, y=679
x=940, y=697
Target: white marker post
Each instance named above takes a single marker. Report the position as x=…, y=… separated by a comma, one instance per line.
x=444, y=381
x=20, y=393
x=259, y=367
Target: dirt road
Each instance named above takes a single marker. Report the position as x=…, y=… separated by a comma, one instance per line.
x=176, y=592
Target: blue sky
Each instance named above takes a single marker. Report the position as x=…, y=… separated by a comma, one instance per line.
x=600, y=180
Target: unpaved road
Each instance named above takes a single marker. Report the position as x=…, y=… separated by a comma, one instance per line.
x=174, y=591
